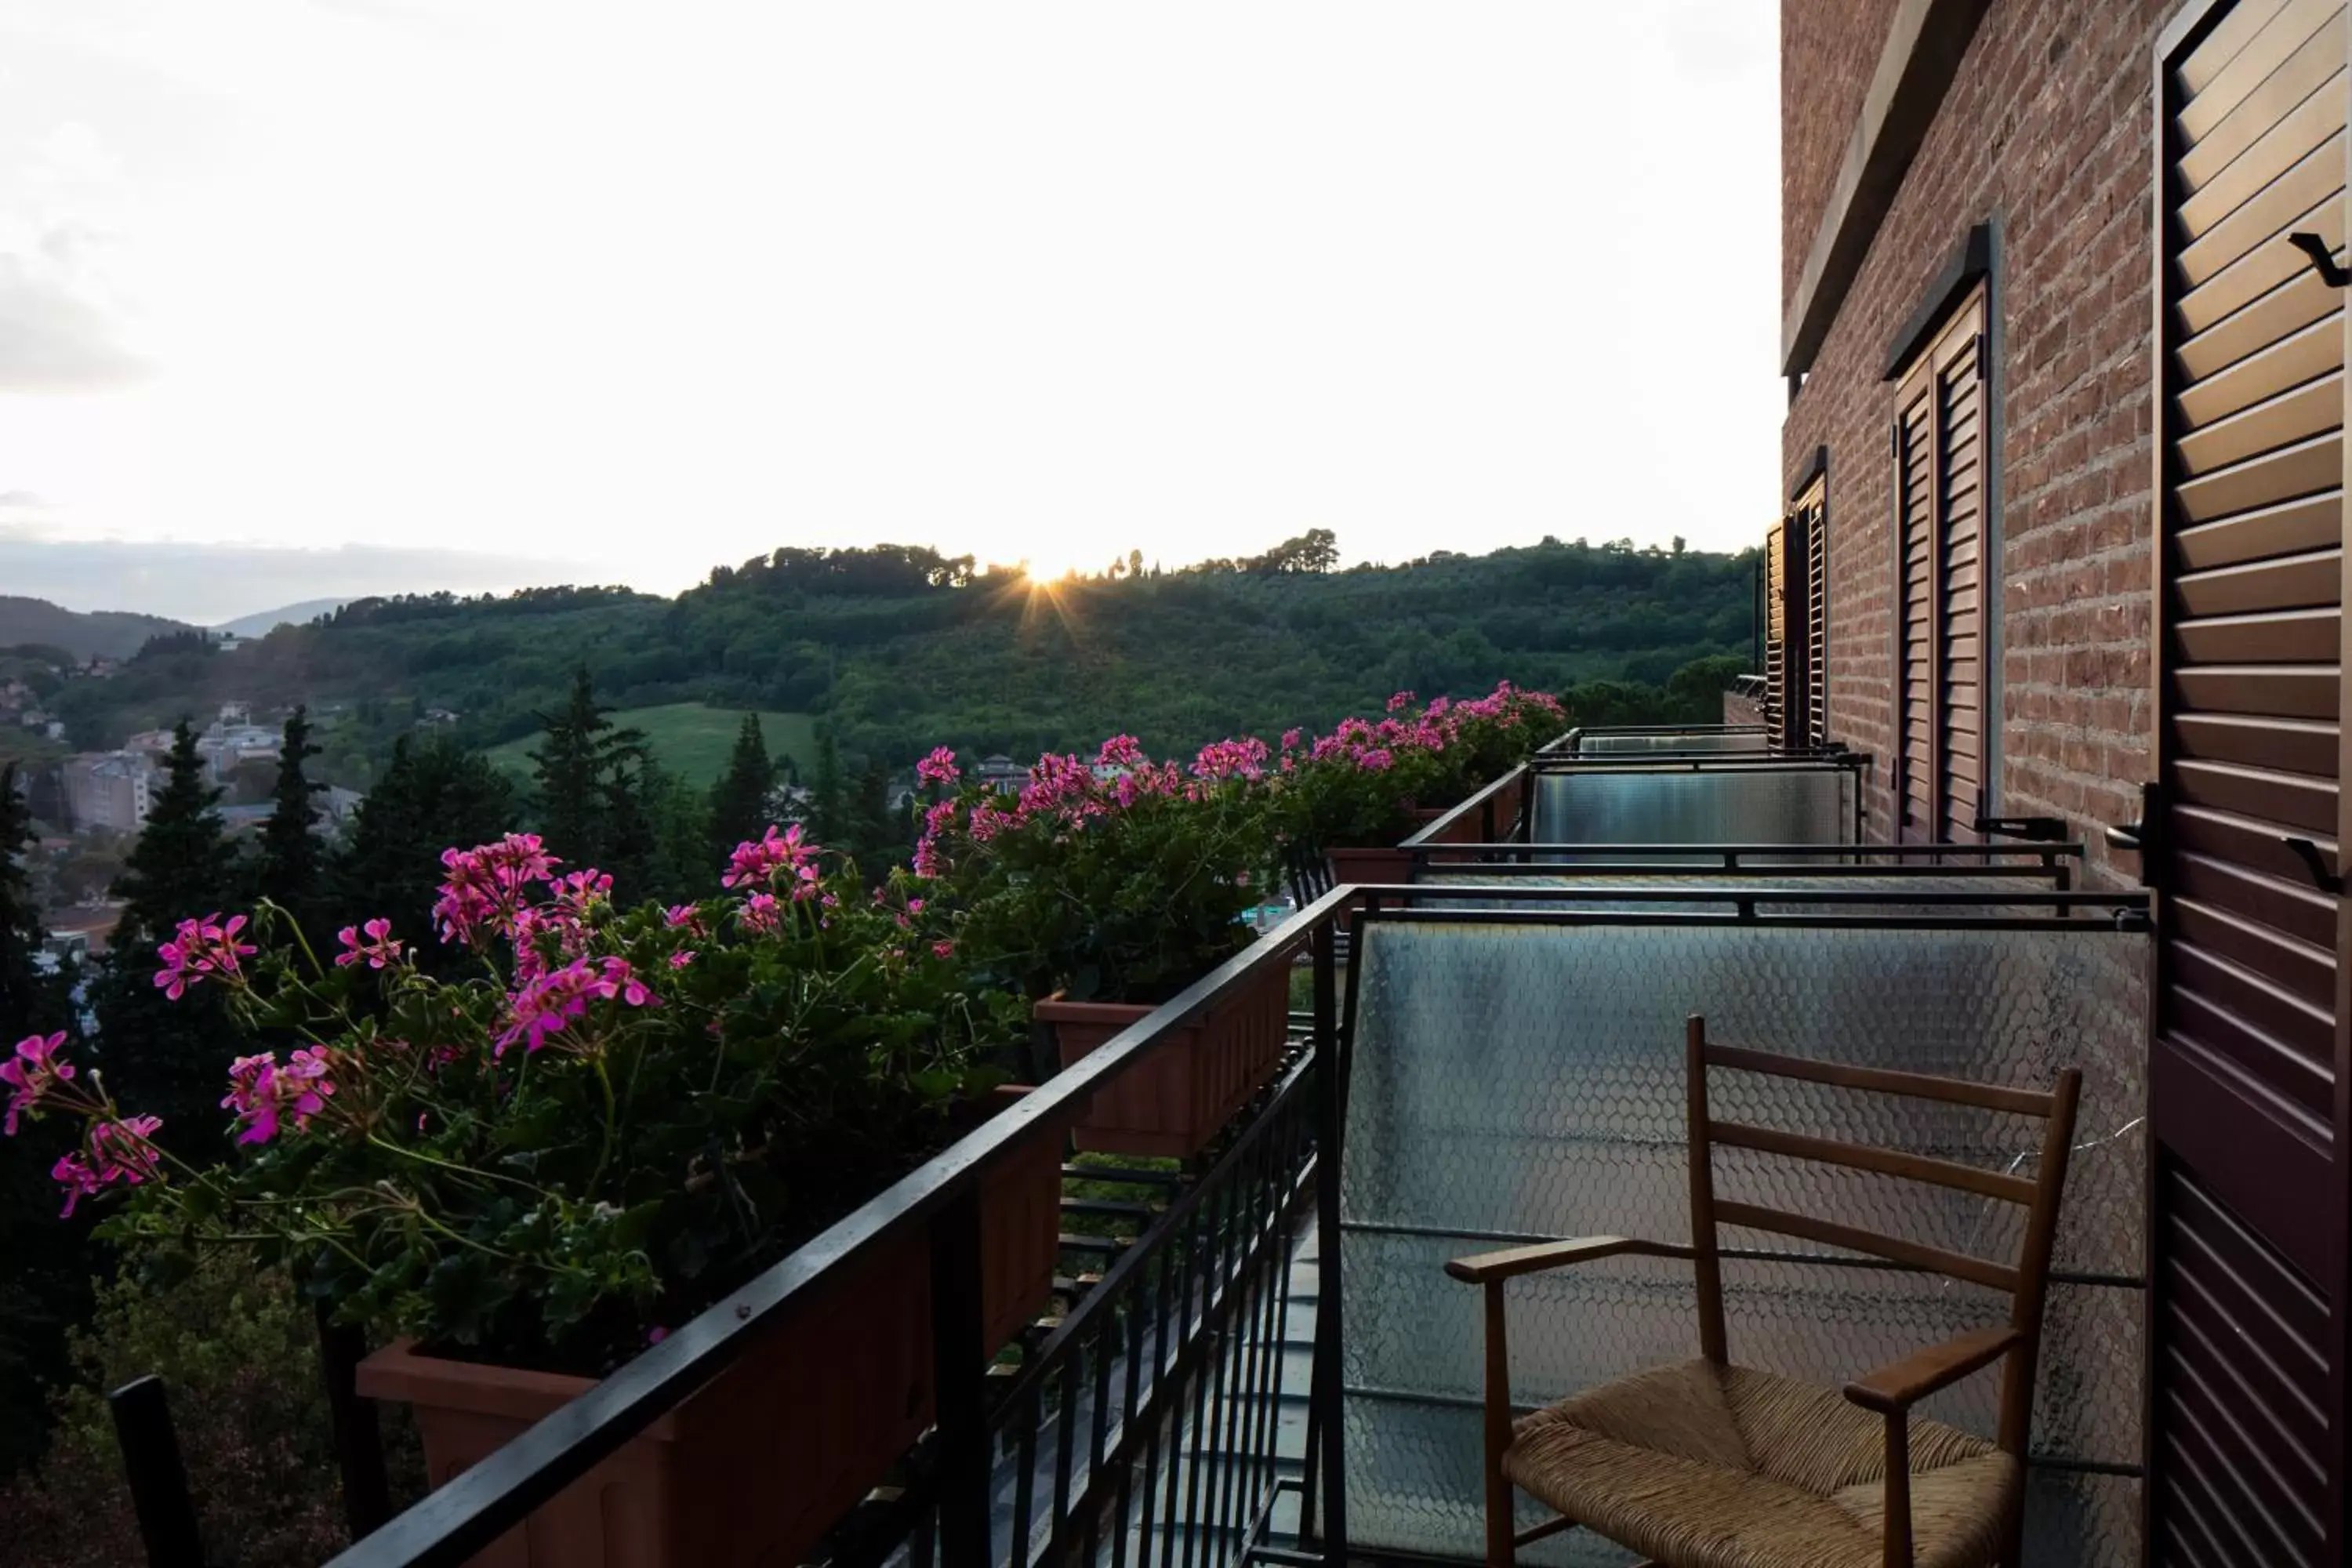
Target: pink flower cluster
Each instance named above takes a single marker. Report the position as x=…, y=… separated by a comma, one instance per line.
x=755, y=863
x=1242, y=759
x=487, y=885
x=122, y=1149
x=377, y=949
x=940, y=767
x=201, y=950
x=35, y=1069
x=266, y=1093
x=549, y=1003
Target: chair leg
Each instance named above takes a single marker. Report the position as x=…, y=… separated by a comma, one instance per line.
x=1501, y=1548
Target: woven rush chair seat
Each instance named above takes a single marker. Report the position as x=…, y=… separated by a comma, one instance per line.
x=1701, y=1466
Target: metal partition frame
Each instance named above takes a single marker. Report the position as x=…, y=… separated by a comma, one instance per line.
x=1705, y=783
x=2081, y=1494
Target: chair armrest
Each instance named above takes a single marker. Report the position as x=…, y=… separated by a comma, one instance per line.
x=1516, y=1261
x=1897, y=1386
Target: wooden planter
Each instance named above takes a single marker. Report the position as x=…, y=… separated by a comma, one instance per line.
x=1379, y=866
x=754, y=1467
x=1173, y=1103
x=1463, y=830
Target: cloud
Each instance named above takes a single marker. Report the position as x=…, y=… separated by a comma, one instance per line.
x=61, y=326
x=22, y=501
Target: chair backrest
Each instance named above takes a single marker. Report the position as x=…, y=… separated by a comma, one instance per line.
x=2025, y=1279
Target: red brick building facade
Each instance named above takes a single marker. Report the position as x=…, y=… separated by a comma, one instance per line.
x=2091, y=541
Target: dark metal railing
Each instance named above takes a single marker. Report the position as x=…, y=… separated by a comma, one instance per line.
x=1165, y=1374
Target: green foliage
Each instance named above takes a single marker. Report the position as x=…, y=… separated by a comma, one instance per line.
x=897, y=650
x=238, y=1356
x=170, y=1059
x=1111, y=888
x=614, y=1121
x=292, y=862
x=434, y=794
x=738, y=801
x=43, y=1285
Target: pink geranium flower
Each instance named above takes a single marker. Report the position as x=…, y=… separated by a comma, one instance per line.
x=940, y=767
x=753, y=863
x=35, y=1069
x=201, y=950
x=376, y=949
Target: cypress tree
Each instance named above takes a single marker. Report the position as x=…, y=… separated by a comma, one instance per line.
x=738, y=801
x=292, y=860
x=165, y=1057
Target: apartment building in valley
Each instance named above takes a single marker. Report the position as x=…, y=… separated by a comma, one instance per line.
x=2061, y=537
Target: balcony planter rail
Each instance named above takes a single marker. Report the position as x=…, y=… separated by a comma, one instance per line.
x=1193, y=1085
x=938, y=1211
x=756, y=1466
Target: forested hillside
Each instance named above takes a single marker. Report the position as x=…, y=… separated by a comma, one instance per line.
x=898, y=648
x=103, y=634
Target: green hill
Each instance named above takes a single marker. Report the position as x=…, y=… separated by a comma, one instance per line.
x=898, y=648
x=690, y=738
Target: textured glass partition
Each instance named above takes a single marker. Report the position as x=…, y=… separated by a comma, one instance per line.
x=1777, y=894
x=1519, y=1081
x=1675, y=741
x=1744, y=805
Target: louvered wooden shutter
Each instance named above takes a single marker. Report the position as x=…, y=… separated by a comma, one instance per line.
x=1812, y=511
x=1939, y=455
x=2247, y=1107
x=1776, y=635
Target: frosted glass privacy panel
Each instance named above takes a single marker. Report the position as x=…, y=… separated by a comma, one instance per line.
x=1695, y=805
x=1514, y=1081
x=1674, y=741
x=1771, y=895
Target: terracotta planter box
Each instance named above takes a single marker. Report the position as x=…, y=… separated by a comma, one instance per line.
x=1463, y=830
x=1377, y=867
x=1172, y=1104
x=754, y=1467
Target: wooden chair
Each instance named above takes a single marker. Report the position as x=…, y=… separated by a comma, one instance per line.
x=1709, y=1464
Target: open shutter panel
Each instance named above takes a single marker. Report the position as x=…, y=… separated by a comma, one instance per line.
x=1814, y=511
x=2244, y=843
x=1960, y=448
x=1915, y=588
x=1776, y=635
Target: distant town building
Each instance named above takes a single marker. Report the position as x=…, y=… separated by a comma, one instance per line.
x=109, y=789
x=1001, y=773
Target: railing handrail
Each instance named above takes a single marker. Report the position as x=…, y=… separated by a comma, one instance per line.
x=1699, y=762
x=2037, y=851
x=466, y=1513
x=1476, y=804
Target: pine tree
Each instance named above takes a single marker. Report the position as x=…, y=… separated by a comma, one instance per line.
x=590, y=811
x=569, y=770
x=45, y=1286
x=28, y=998
x=828, y=821
x=292, y=862
x=164, y=1058
x=433, y=796
x=738, y=801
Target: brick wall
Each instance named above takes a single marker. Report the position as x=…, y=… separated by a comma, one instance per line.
x=2045, y=131
x=1828, y=50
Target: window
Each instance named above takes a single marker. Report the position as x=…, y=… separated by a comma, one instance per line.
x=1940, y=724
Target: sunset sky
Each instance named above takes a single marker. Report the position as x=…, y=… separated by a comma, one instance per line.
x=503, y=291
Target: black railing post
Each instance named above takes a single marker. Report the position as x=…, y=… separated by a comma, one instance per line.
x=959, y=1374
x=1329, y=1093
x=159, y=1481
x=359, y=1439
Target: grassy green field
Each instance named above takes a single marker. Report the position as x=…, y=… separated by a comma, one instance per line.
x=689, y=738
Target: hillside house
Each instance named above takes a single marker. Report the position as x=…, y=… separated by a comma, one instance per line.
x=2062, y=538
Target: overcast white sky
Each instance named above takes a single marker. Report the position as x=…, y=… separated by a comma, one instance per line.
x=628, y=289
